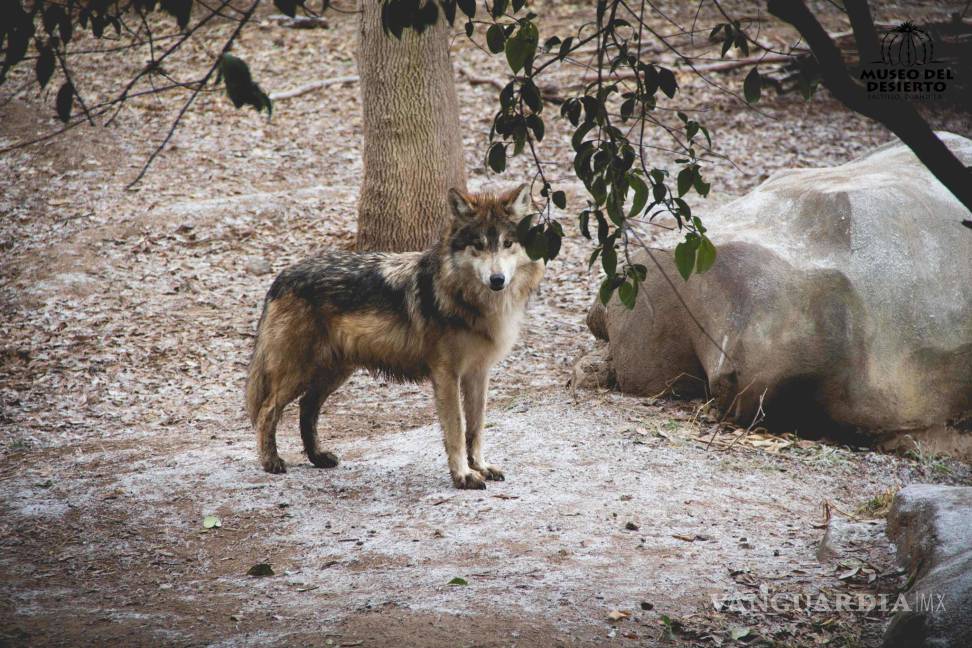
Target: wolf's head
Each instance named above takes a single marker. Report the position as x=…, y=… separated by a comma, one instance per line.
x=482, y=238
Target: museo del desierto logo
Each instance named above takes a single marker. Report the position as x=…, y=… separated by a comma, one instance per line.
x=907, y=69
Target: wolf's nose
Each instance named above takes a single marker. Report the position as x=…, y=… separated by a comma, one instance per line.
x=497, y=281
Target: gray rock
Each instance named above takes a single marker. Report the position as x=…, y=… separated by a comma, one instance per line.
x=840, y=295
x=845, y=538
x=932, y=528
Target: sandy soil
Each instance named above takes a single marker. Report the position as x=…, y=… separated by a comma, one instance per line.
x=127, y=320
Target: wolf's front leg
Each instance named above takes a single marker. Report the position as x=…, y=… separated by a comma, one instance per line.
x=474, y=388
x=446, y=386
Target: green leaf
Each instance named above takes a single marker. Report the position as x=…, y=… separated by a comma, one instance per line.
x=609, y=260
x=640, y=195
x=260, y=570
x=468, y=7
x=667, y=82
x=685, y=258
x=685, y=178
x=240, y=87
x=44, y=68
x=706, y=255
x=536, y=247
x=458, y=581
x=521, y=48
x=497, y=157
x=64, y=101
x=627, y=293
x=560, y=199
x=181, y=9
x=495, y=38
x=499, y=6
x=286, y=7
x=554, y=239
x=531, y=96
x=211, y=522
x=752, y=86
x=606, y=290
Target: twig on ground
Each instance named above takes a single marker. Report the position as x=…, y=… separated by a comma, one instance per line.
x=312, y=86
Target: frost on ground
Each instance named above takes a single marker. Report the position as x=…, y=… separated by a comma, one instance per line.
x=126, y=322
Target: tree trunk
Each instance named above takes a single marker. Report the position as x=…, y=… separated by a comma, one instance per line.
x=412, y=142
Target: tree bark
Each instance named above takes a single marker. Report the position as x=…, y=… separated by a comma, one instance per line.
x=412, y=141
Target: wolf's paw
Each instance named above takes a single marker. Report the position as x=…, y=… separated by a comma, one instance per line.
x=324, y=459
x=492, y=473
x=472, y=480
x=488, y=471
x=274, y=465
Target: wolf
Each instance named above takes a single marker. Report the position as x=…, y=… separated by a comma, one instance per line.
x=447, y=314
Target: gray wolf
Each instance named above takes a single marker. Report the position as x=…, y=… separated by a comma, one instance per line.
x=447, y=314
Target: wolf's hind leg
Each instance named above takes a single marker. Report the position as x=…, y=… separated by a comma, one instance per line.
x=474, y=389
x=446, y=386
x=310, y=409
x=267, y=437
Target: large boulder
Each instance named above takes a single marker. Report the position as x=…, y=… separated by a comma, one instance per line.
x=932, y=528
x=841, y=297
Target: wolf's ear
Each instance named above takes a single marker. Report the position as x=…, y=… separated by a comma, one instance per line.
x=459, y=205
x=518, y=201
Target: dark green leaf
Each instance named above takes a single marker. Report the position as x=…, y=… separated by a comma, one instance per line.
x=286, y=7
x=531, y=96
x=560, y=200
x=64, y=101
x=553, y=243
x=181, y=9
x=499, y=6
x=565, y=47
x=606, y=290
x=640, y=195
x=458, y=581
x=685, y=259
x=495, y=38
x=44, y=67
x=667, y=82
x=685, y=178
x=536, y=125
x=536, y=247
x=752, y=86
x=468, y=7
x=240, y=87
x=449, y=9
x=497, y=157
x=53, y=16
x=609, y=260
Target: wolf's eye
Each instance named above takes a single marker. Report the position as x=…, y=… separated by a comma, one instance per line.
x=507, y=243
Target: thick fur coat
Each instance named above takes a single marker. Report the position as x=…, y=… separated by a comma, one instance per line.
x=447, y=314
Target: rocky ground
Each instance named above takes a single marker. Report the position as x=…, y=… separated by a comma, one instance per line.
x=127, y=320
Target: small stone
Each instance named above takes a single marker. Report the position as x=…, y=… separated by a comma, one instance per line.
x=631, y=526
x=257, y=266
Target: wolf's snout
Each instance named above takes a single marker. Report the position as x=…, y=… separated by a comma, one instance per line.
x=497, y=280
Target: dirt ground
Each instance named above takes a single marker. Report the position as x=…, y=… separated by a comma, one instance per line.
x=127, y=322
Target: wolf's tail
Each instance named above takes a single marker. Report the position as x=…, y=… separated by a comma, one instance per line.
x=257, y=387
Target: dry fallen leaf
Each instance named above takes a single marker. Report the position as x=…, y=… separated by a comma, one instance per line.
x=617, y=615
